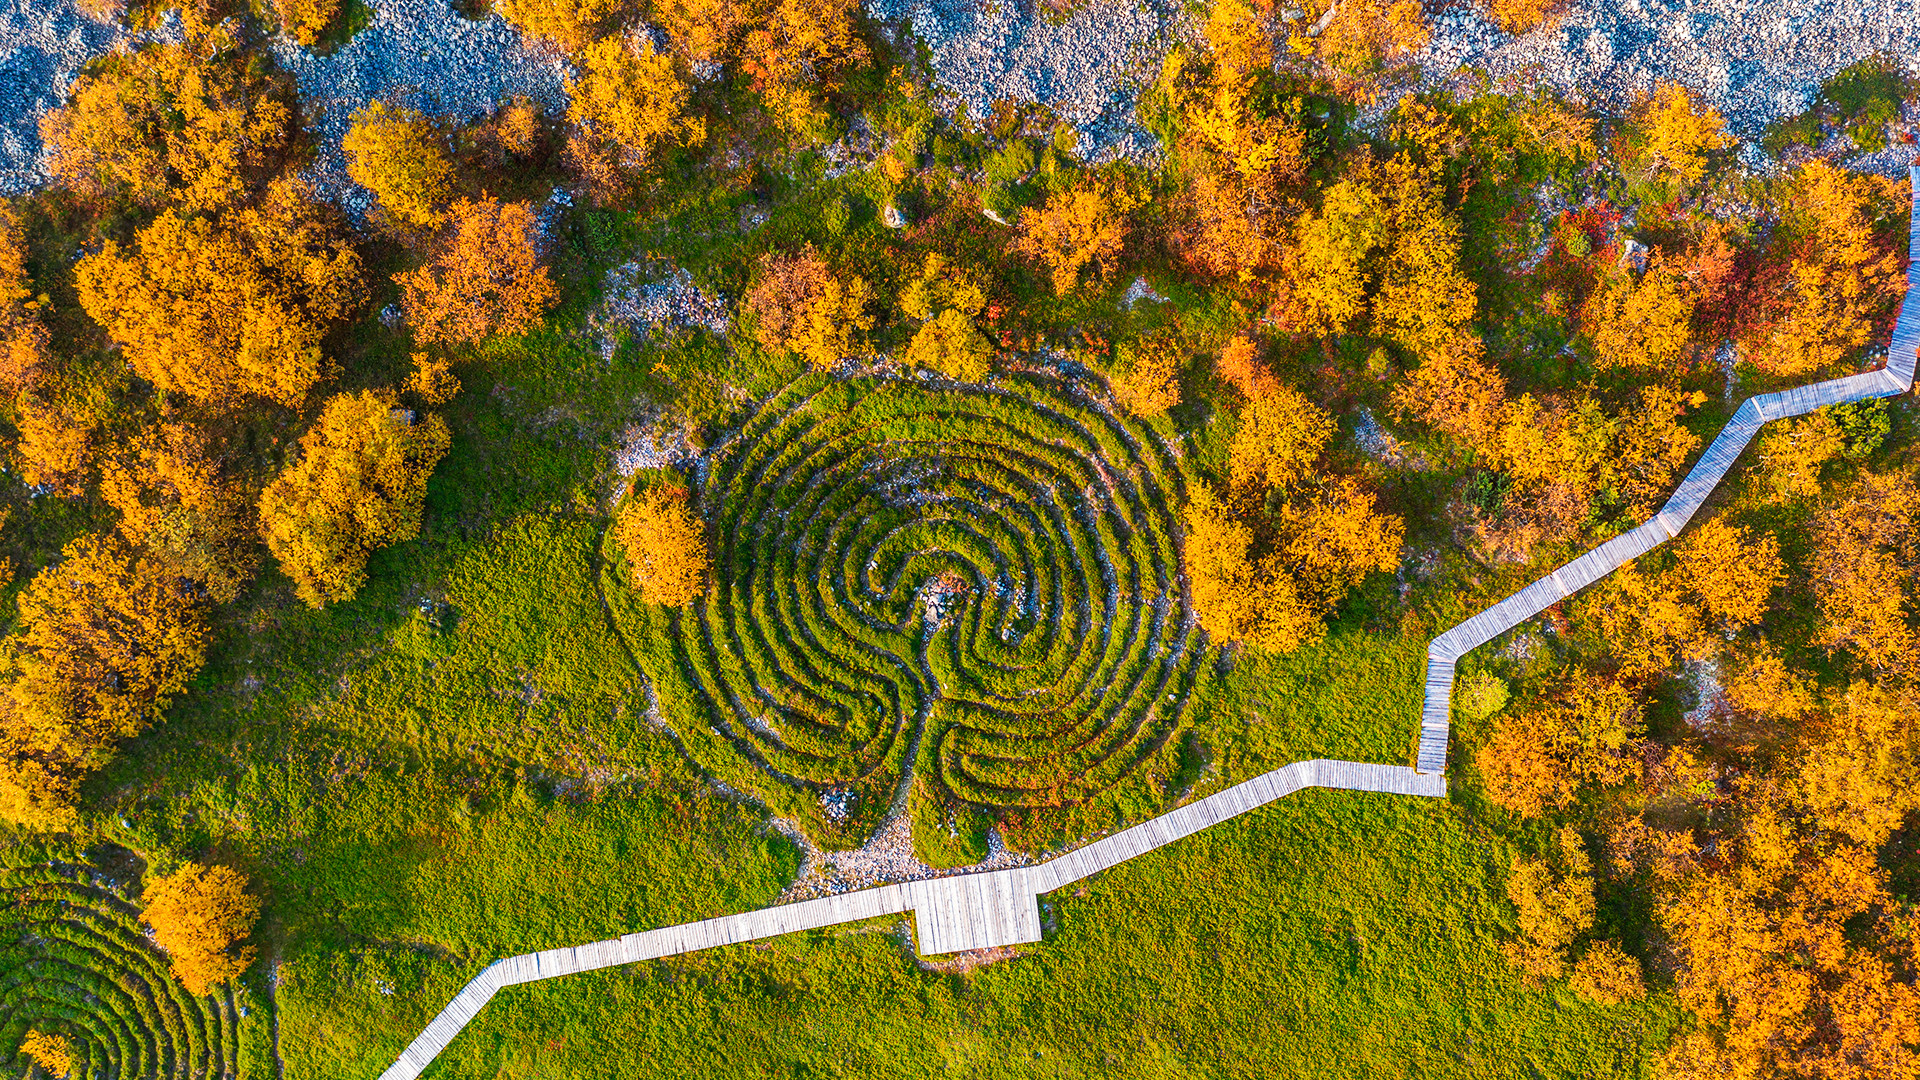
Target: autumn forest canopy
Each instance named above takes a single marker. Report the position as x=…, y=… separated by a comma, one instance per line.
x=474, y=564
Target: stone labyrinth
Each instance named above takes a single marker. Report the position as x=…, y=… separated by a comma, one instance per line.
x=980, y=586
x=75, y=961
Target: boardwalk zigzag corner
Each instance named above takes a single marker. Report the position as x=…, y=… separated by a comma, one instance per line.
x=982, y=910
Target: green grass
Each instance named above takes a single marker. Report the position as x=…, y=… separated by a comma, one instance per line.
x=1333, y=934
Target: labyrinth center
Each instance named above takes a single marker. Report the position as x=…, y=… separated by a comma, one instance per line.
x=980, y=586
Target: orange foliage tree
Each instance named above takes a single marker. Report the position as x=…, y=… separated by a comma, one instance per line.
x=220, y=311
x=1866, y=545
x=665, y=543
x=947, y=300
x=1673, y=135
x=798, y=305
x=1381, y=254
x=1843, y=272
x=1268, y=567
x=796, y=50
x=1147, y=382
x=1719, y=582
x=1642, y=322
x=176, y=505
x=360, y=484
x=24, y=359
x=396, y=153
x=1361, y=39
x=485, y=278
x=306, y=21
x=1077, y=229
x=193, y=124
x=55, y=447
x=1537, y=758
x=200, y=916
x=570, y=24
x=105, y=638
x=630, y=97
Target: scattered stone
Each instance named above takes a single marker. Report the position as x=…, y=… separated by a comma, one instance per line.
x=647, y=297
x=422, y=54
x=892, y=217
x=43, y=46
x=1086, y=67
x=1139, y=291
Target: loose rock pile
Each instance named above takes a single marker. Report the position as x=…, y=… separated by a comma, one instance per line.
x=424, y=55
x=1754, y=60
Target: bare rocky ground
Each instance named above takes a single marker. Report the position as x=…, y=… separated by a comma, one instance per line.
x=1756, y=60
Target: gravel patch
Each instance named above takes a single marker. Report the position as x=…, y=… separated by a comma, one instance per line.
x=1754, y=60
x=43, y=45
x=422, y=54
x=646, y=297
x=885, y=858
x=1086, y=67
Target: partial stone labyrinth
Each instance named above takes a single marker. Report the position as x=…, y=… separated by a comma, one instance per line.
x=75, y=961
x=981, y=584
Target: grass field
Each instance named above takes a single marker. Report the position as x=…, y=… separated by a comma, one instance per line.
x=458, y=764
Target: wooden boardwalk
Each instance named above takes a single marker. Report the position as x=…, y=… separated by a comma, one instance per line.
x=951, y=914
x=1001, y=907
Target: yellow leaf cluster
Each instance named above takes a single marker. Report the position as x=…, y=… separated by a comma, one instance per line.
x=54, y=1053
x=1280, y=437
x=1720, y=582
x=55, y=447
x=1677, y=133
x=1555, y=905
x=1536, y=758
x=1643, y=323
x=941, y=286
x=1456, y=392
x=394, y=152
x=701, y=30
x=200, y=915
x=1783, y=946
x=1843, y=274
x=1317, y=537
x=175, y=504
x=485, y=277
x=1236, y=596
x=570, y=24
x=1866, y=545
x=193, y=124
x=1147, y=382
x=1520, y=16
x=950, y=344
x=306, y=21
x=105, y=638
x=1858, y=778
x=24, y=359
x=1793, y=453
x=1381, y=247
x=795, y=51
x=666, y=547
x=1081, y=228
x=360, y=484
x=1239, y=156
x=1606, y=975
x=432, y=381
x=1363, y=38
x=218, y=311
x=797, y=305
x=630, y=95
